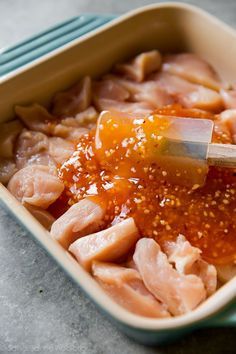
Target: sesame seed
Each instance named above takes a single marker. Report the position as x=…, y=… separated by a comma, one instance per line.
x=200, y=234
x=225, y=201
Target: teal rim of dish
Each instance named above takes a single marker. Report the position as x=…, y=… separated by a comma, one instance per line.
x=16, y=56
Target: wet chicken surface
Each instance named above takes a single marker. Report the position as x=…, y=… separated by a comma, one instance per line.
x=94, y=179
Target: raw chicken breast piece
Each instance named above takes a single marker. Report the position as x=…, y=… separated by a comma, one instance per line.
x=79, y=220
x=141, y=66
x=188, y=94
x=8, y=134
x=147, y=91
x=202, y=98
x=182, y=254
x=126, y=288
x=153, y=95
x=7, y=170
x=187, y=260
x=43, y=216
x=36, y=186
x=208, y=273
x=73, y=127
x=109, y=89
x=228, y=117
x=106, y=245
x=30, y=143
x=192, y=68
x=226, y=272
x=36, y=117
x=221, y=132
x=43, y=159
x=74, y=100
x=70, y=133
x=85, y=119
x=127, y=107
x=181, y=293
x=60, y=149
x=229, y=98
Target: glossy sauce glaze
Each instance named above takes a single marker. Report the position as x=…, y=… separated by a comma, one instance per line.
x=114, y=176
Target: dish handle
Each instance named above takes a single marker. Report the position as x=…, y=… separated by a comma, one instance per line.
x=14, y=57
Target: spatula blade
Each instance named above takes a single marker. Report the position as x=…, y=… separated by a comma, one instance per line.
x=182, y=151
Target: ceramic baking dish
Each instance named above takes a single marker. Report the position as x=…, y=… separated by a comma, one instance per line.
x=168, y=27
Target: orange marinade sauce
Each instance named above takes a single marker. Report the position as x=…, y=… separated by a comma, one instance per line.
x=161, y=210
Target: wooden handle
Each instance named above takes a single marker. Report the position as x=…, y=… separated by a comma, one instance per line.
x=222, y=155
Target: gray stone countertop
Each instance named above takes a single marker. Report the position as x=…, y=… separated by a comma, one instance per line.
x=41, y=310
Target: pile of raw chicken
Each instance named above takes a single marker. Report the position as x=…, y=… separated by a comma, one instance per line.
x=154, y=282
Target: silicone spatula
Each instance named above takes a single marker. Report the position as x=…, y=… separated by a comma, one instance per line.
x=181, y=147
x=186, y=151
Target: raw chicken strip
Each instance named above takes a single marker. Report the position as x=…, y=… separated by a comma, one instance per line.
x=36, y=186
x=7, y=170
x=192, y=68
x=188, y=94
x=106, y=245
x=43, y=216
x=74, y=100
x=127, y=107
x=36, y=117
x=229, y=98
x=126, y=288
x=141, y=66
x=79, y=220
x=187, y=260
x=8, y=134
x=181, y=293
x=229, y=118
x=60, y=149
x=226, y=272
